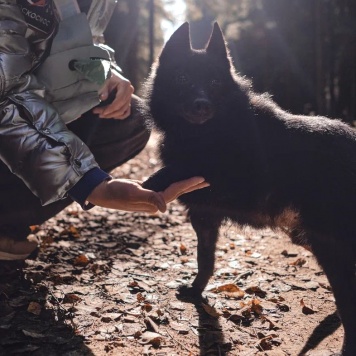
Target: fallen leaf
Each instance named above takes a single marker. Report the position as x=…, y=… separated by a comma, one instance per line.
x=140, y=297
x=149, y=337
x=34, y=228
x=277, y=299
x=256, y=306
x=177, y=305
x=71, y=298
x=272, y=324
x=147, y=307
x=211, y=310
x=230, y=290
x=34, y=308
x=325, y=286
x=283, y=307
x=71, y=232
x=183, y=249
x=285, y=253
x=256, y=290
x=179, y=327
x=132, y=329
x=81, y=260
x=184, y=259
x=305, y=309
x=299, y=262
x=268, y=341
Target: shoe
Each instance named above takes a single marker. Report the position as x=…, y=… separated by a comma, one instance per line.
x=12, y=249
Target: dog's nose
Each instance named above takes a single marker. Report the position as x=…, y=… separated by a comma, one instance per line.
x=202, y=107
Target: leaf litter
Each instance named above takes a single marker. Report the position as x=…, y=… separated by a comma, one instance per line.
x=104, y=283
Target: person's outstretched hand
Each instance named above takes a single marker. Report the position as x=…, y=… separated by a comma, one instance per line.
x=128, y=195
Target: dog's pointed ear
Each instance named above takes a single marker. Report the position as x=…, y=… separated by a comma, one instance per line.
x=178, y=44
x=216, y=45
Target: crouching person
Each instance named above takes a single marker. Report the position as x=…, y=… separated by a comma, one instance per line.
x=67, y=118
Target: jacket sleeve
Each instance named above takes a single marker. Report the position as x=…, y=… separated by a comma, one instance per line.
x=35, y=143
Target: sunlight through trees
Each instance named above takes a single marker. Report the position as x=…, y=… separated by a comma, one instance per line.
x=302, y=52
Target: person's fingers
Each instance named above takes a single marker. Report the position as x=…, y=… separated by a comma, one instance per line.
x=139, y=182
x=149, y=199
x=143, y=208
x=104, y=93
x=120, y=107
x=188, y=182
x=120, y=115
x=172, y=195
x=158, y=201
x=196, y=187
x=185, y=186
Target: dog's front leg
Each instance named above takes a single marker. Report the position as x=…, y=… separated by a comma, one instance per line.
x=163, y=178
x=206, y=227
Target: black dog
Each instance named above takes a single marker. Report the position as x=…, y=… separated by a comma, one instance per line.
x=266, y=167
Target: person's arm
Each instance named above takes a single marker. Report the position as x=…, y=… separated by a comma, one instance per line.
x=35, y=144
x=128, y=195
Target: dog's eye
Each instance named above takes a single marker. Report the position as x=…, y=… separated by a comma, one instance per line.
x=182, y=79
x=215, y=83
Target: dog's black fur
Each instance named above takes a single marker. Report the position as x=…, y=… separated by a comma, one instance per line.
x=266, y=167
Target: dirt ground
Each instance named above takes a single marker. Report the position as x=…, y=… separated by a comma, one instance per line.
x=104, y=283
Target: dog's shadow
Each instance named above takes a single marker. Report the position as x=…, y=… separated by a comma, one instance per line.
x=211, y=336
x=208, y=328
x=326, y=327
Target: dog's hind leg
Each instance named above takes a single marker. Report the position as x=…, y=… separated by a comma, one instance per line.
x=206, y=227
x=338, y=260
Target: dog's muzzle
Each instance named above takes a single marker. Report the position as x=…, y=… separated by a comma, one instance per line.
x=200, y=111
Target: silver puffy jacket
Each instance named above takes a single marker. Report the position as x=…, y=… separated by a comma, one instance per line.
x=35, y=143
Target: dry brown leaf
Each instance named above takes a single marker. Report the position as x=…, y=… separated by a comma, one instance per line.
x=266, y=342
x=256, y=290
x=283, y=307
x=183, y=249
x=152, y=338
x=305, y=309
x=34, y=308
x=285, y=253
x=74, y=232
x=211, y=310
x=71, y=298
x=271, y=323
x=147, y=307
x=140, y=297
x=277, y=299
x=81, y=260
x=46, y=241
x=230, y=290
x=179, y=327
x=184, y=259
x=34, y=228
x=133, y=284
x=256, y=306
x=299, y=262
x=325, y=286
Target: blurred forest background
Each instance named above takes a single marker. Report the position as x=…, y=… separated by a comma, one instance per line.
x=303, y=52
